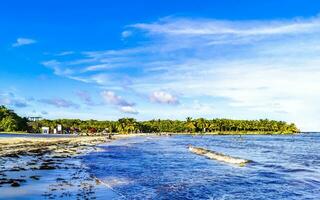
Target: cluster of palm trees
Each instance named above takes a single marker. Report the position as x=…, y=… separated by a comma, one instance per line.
x=200, y=125
x=229, y=125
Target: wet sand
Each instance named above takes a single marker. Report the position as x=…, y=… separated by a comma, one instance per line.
x=49, y=168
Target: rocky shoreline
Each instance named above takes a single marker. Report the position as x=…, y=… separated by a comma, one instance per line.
x=53, y=163
x=17, y=146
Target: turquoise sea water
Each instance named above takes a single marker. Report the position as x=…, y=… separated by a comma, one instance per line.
x=284, y=167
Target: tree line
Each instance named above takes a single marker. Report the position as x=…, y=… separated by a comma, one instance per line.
x=201, y=125
x=10, y=121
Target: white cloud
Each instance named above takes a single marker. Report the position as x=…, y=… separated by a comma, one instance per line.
x=111, y=97
x=163, y=97
x=258, y=68
x=122, y=105
x=128, y=109
x=23, y=41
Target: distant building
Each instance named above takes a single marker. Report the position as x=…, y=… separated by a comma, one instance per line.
x=45, y=130
x=34, y=118
x=59, y=128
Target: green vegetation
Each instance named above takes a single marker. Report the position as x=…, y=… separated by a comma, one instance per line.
x=130, y=125
x=9, y=121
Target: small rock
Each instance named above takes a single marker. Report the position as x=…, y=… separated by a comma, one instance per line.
x=46, y=167
x=35, y=177
x=15, y=184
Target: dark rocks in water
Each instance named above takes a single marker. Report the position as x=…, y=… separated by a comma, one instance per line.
x=4, y=181
x=13, y=155
x=48, y=160
x=15, y=184
x=32, y=163
x=47, y=167
x=34, y=168
x=35, y=177
x=61, y=156
x=16, y=169
x=12, y=182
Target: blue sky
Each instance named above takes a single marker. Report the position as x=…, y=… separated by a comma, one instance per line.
x=95, y=59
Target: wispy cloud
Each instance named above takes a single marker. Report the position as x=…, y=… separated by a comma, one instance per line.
x=65, y=53
x=44, y=113
x=23, y=41
x=85, y=97
x=200, y=27
x=99, y=67
x=59, y=103
x=126, y=34
x=259, y=68
x=57, y=68
x=10, y=99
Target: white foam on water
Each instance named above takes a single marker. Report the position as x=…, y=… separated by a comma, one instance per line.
x=114, y=182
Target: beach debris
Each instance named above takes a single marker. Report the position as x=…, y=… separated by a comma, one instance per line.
x=218, y=156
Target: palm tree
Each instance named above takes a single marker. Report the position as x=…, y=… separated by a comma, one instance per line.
x=190, y=124
x=201, y=125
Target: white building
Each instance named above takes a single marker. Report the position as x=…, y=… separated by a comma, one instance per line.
x=59, y=128
x=34, y=119
x=45, y=130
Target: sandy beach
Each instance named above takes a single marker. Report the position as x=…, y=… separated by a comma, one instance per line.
x=50, y=168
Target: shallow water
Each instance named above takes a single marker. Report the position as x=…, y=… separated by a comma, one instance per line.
x=284, y=167
x=48, y=175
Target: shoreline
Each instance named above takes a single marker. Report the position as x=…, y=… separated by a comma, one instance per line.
x=74, y=144
x=62, y=144
x=120, y=135
x=54, y=163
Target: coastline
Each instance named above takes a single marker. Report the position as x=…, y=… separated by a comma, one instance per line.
x=26, y=162
x=120, y=135
x=55, y=164
x=52, y=163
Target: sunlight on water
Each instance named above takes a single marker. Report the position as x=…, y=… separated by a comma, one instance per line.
x=284, y=167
